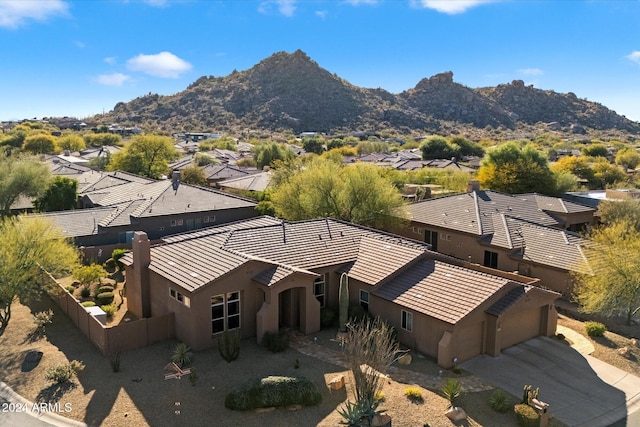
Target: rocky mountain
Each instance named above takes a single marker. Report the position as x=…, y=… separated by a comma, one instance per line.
x=291, y=92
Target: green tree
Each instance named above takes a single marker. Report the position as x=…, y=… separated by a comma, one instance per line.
x=465, y=147
x=29, y=247
x=313, y=145
x=611, y=283
x=628, y=157
x=615, y=211
x=71, y=142
x=193, y=175
x=605, y=174
x=516, y=170
x=101, y=162
x=100, y=139
x=267, y=153
x=87, y=275
x=60, y=195
x=20, y=176
x=40, y=143
x=356, y=193
x=595, y=150
x=146, y=155
x=436, y=147
x=578, y=166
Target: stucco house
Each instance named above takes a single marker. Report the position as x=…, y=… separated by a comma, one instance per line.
x=525, y=233
x=262, y=274
x=115, y=204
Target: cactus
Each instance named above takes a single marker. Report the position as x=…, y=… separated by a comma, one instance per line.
x=344, y=302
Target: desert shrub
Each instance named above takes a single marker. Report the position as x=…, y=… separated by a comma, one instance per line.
x=85, y=292
x=379, y=396
x=229, y=345
x=273, y=391
x=105, y=298
x=109, y=309
x=413, y=393
x=357, y=313
x=63, y=372
x=451, y=390
x=181, y=355
x=70, y=289
x=327, y=317
x=594, y=329
x=526, y=416
x=114, y=360
x=275, y=341
x=105, y=288
x=116, y=255
x=500, y=401
x=561, y=337
x=43, y=318
x=88, y=304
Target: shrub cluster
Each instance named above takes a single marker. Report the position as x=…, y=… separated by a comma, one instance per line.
x=275, y=341
x=500, y=401
x=595, y=329
x=43, y=318
x=229, y=345
x=181, y=355
x=104, y=298
x=413, y=393
x=70, y=289
x=103, y=289
x=526, y=416
x=88, y=304
x=273, y=391
x=63, y=372
x=109, y=309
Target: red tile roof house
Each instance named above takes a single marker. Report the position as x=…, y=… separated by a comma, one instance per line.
x=524, y=233
x=262, y=274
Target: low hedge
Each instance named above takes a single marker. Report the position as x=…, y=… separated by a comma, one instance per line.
x=105, y=288
x=526, y=416
x=104, y=298
x=273, y=391
x=595, y=329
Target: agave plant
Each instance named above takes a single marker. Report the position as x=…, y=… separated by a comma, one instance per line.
x=181, y=355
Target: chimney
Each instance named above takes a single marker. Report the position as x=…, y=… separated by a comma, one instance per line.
x=473, y=185
x=138, y=298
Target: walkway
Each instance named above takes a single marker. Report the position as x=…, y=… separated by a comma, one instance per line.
x=406, y=376
x=579, y=342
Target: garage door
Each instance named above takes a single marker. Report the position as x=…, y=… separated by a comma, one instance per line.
x=519, y=326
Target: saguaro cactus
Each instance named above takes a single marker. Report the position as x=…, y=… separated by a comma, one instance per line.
x=344, y=301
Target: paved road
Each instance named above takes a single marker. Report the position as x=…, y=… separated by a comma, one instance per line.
x=581, y=390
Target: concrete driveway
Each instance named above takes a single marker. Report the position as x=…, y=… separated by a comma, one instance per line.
x=581, y=390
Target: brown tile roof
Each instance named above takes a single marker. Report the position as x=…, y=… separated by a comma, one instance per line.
x=440, y=290
x=513, y=296
x=542, y=245
x=80, y=222
x=377, y=260
x=473, y=212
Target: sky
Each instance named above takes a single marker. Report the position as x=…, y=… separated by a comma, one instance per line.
x=80, y=58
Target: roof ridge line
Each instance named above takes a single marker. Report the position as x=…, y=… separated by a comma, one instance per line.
x=506, y=229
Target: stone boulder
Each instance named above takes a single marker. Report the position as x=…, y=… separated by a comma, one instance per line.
x=455, y=413
x=336, y=383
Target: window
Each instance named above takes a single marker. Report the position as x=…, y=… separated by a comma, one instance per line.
x=225, y=312
x=490, y=259
x=183, y=299
x=210, y=218
x=179, y=222
x=407, y=321
x=205, y=219
x=318, y=289
x=431, y=237
x=173, y=223
x=161, y=229
x=364, y=300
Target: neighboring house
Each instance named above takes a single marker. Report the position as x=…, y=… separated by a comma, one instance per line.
x=263, y=274
x=254, y=182
x=220, y=172
x=525, y=233
x=115, y=204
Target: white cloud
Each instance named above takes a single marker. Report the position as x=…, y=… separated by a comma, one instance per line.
x=634, y=56
x=111, y=60
x=359, y=2
x=531, y=71
x=157, y=3
x=163, y=64
x=450, y=7
x=285, y=7
x=15, y=13
x=322, y=14
x=115, y=79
